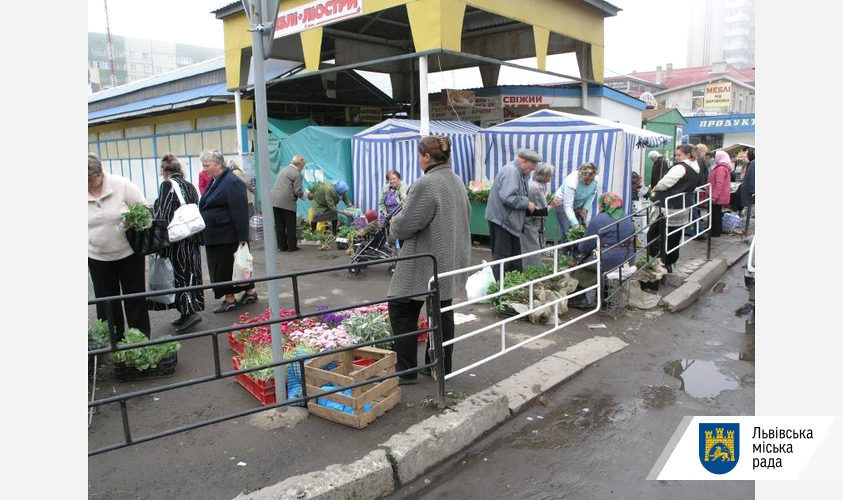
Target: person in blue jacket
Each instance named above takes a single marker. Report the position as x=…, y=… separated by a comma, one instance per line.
x=605, y=225
x=225, y=210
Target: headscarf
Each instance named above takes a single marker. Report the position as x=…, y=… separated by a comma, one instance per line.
x=341, y=187
x=722, y=157
x=612, y=204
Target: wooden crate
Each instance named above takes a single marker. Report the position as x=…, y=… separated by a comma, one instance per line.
x=382, y=396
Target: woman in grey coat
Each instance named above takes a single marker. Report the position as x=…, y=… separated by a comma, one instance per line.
x=534, y=223
x=434, y=219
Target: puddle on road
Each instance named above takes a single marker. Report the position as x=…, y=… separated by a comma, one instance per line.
x=559, y=427
x=700, y=379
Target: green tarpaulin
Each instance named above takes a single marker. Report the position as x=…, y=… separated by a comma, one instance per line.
x=327, y=151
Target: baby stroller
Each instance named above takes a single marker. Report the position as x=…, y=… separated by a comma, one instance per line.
x=375, y=247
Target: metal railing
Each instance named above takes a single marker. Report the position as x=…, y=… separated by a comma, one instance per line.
x=557, y=272
x=436, y=365
x=703, y=199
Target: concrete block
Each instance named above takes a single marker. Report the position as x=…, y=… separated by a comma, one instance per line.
x=708, y=274
x=590, y=350
x=734, y=253
x=529, y=383
x=439, y=437
x=367, y=478
x=682, y=297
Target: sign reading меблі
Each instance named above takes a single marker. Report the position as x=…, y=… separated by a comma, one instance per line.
x=757, y=448
x=317, y=13
x=718, y=95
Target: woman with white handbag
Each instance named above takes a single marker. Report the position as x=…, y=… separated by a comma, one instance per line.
x=176, y=192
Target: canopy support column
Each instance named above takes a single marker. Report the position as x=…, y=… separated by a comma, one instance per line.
x=424, y=104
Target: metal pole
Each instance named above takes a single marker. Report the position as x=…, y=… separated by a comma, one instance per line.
x=584, y=95
x=262, y=157
x=238, y=117
x=423, y=98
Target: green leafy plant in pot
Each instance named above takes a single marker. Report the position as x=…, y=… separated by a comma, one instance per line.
x=147, y=358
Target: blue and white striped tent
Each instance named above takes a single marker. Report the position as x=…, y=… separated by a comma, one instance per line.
x=567, y=141
x=392, y=144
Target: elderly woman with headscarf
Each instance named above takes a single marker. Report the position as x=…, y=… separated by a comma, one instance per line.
x=721, y=190
x=326, y=196
x=616, y=243
x=576, y=195
x=534, y=224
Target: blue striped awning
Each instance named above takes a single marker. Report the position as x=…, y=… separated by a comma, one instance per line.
x=392, y=144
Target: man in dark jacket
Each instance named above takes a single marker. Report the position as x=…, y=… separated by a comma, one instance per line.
x=747, y=189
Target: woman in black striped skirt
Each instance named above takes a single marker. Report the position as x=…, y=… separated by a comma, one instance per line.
x=184, y=254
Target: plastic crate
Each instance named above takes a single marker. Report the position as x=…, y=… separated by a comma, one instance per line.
x=264, y=390
x=234, y=343
x=166, y=368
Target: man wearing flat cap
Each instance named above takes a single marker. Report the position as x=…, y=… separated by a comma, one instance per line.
x=508, y=206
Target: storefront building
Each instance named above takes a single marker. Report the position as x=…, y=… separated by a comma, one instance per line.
x=721, y=130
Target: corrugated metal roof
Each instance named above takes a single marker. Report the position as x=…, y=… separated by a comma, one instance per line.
x=162, y=103
x=170, y=76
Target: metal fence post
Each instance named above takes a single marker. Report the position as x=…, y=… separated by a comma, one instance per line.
x=438, y=351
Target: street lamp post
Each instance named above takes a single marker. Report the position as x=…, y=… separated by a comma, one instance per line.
x=261, y=15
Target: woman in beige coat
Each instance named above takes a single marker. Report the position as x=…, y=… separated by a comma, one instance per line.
x=115, y=269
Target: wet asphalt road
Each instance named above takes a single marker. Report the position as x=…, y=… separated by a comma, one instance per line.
x=598, y=435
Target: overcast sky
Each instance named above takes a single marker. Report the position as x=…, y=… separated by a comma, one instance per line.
x=644, y=34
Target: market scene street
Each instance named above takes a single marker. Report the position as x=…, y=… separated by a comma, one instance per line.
x=378, y=249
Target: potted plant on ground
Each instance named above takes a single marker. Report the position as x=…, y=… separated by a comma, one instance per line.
x=144, y=362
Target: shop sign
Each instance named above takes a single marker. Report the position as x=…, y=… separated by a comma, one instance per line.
x=537, y=101
x=718, y=95
x=316, y=13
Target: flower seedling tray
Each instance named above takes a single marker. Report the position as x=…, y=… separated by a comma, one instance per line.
x=235, y=344
x=379, y=397
x=264, y=390
x=166, y=368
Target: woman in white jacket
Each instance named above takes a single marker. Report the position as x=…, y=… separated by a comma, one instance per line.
x=577, y=193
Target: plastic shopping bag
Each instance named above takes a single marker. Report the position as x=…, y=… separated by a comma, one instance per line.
x=478, y=283
x=161, y=277
x=242, y=264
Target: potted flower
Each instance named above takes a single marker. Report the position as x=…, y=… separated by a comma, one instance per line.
x=152, y=361
x=478, y=195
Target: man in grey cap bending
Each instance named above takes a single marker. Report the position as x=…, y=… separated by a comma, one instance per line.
x=508, y=206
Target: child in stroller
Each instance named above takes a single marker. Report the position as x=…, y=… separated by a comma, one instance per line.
x=376, y=245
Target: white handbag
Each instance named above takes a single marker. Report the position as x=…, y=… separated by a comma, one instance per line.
x=187, y=220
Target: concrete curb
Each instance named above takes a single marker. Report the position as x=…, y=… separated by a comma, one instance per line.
x=407, y=455
x=704, y=278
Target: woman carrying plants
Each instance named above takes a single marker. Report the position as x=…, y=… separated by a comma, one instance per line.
x=184, y=254
x=115, y=269
x=576, y=195
x=224, y=208
x=434, y=220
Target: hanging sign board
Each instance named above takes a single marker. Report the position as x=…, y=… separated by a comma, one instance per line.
x=718, y=95
x=316, y=13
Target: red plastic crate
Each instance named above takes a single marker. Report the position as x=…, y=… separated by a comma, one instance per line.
x=263, y=390
x=234, y=343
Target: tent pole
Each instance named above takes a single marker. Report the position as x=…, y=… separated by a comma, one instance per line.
x=424, y=104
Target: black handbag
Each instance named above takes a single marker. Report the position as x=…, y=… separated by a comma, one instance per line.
x=151, y=240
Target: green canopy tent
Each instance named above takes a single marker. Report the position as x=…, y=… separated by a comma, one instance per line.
x=327, y=151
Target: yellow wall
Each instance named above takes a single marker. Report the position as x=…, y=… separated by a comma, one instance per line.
x=437, y=24
x=247, y=108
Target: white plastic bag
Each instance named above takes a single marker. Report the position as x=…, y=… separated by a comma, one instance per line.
x=242, y=264
x=161, y=277
x=478, y=283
